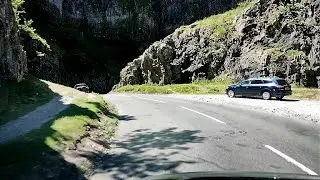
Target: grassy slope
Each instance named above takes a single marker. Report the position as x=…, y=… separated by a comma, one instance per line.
x=26, y=152
x=208, y=87
x=222, y=23
x=305, y=93
x=201, y=87
x=18, y=99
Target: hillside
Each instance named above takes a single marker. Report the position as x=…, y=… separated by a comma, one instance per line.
x=265, y=38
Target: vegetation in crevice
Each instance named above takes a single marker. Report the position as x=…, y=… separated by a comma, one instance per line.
x=24, y=24
x=295, y=54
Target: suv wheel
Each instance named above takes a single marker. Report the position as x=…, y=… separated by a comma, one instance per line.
x=231, y=93
x=266, y=95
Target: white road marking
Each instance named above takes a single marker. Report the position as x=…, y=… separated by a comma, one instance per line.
x=151, y=99
x=204, y=115
x=289, y=159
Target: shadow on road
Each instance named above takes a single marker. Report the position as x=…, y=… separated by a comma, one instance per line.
x=120, y=117
x=126, y=118
x=290, y=100
x=144, y=152
x=273, y=99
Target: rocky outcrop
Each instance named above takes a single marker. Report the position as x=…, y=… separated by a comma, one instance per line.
x=278, y=38
x=271, y=38
x=13, y=63
x=180, y=57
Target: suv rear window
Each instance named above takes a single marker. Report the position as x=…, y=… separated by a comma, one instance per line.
x=267, y=81
x=256, y=82
x=282, y=82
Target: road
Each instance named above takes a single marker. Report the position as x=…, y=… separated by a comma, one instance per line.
x=160, y=135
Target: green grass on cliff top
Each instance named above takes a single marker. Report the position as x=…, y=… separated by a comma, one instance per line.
x=222, y=23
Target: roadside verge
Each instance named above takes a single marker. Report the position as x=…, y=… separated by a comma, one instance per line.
x=51, y=151
x=207, y=87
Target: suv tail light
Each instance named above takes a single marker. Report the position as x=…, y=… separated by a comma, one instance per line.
x=279, y=87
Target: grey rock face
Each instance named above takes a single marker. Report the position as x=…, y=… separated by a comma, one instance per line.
x=131, y=74
x=13, y=63
x=138, y=20
x=278, y=38
x=181, y=57
x=272, y=38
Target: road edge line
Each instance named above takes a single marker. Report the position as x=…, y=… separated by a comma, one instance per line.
x=291, y=160
x=217, y=120
x=150, y=99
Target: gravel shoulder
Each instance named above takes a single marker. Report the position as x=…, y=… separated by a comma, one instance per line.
x=299, y=109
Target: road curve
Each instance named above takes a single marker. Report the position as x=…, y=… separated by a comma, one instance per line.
x=160, y=135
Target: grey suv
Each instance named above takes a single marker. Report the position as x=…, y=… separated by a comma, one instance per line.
x=261, y=87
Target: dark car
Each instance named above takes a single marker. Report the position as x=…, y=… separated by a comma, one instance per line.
x=261, y=87
x=82, y=87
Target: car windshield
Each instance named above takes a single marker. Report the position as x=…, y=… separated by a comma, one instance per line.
x=126, y=89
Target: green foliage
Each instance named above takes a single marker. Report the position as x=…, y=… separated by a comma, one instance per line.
x=295, y=54
x=26, y=25
x=219, y=80
x=275, y=13
x=71, y=123
x=275, y=68
x=221, y=24
x=214, y=86
x=18, y=99
x=291, y=54
x=274, y=51
x=201, y=87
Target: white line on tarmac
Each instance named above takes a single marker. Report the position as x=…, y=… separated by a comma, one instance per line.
x=217, y=120
x=289, y=159
x=151, y=99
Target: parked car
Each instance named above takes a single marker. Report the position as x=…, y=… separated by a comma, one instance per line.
x=260, y=87
x=82, y=87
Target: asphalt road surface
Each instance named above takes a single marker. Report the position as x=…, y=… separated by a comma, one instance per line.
x=160, y=135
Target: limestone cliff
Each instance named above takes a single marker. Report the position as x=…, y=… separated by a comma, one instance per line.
x=13, y=64
x=92, y=40
x=138, y=20
x=269, y=38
